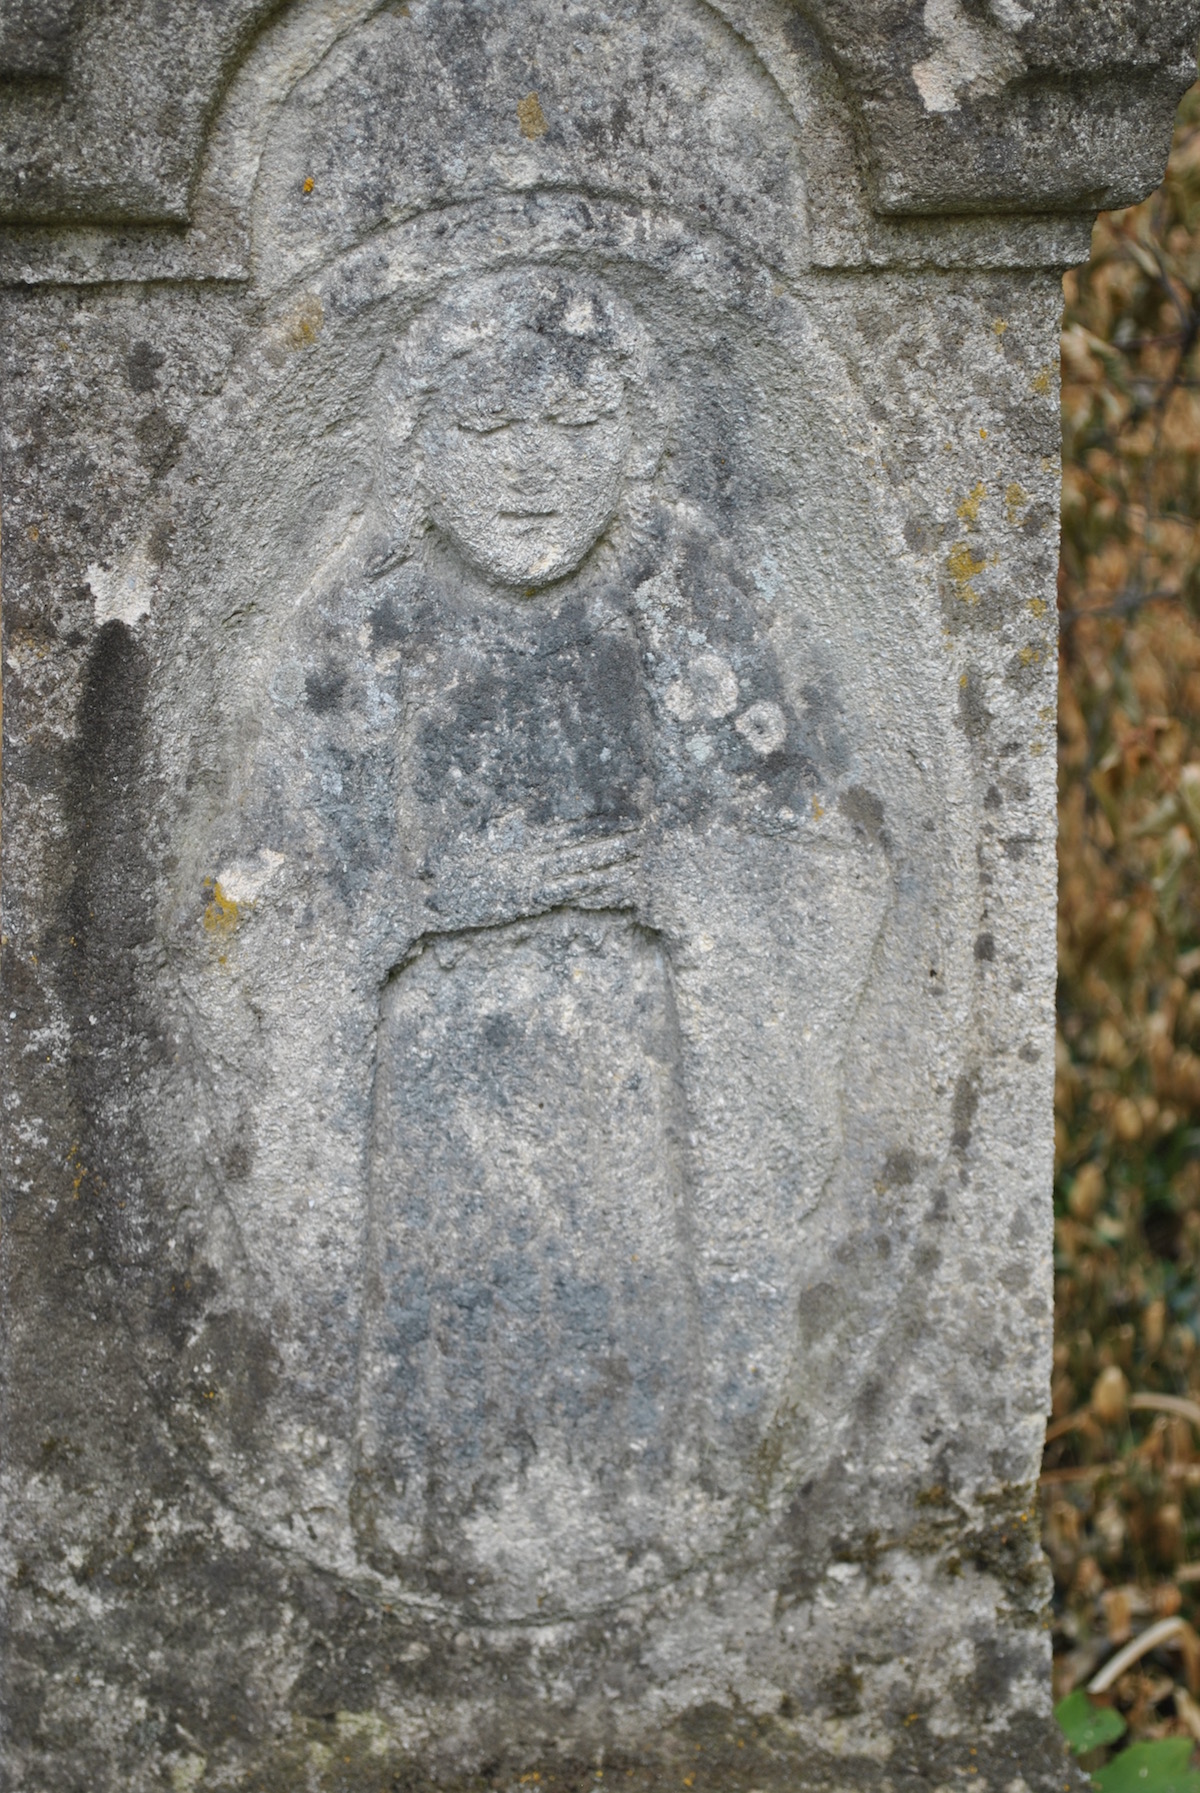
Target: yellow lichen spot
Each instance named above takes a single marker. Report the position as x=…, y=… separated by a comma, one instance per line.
x=968, y=510
x=963, y=567
x=309, y=184
x=221, y=913
x=80, y=1170
x=530, y=117
x=818, y=809
x=32, y=532
x=999, y=326
x=1037, y=748
x=1043, y=380
x=983, y=435
x=1014, y=497
x=301, y=326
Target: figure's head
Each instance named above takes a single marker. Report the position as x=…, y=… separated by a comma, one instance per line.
x=514, y=393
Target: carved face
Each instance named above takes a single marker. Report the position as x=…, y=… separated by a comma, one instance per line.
x=524, y=454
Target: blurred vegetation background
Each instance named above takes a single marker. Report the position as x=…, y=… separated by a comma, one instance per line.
x=1121, y=1481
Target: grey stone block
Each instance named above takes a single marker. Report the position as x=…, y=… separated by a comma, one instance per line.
x=528, y=867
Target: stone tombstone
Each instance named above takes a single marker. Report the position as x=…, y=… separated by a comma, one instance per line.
x=529, y=569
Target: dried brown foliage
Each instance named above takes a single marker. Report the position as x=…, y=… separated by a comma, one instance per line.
x=1122, y=1481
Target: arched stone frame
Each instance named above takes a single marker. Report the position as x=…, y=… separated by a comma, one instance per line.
x=290, y=504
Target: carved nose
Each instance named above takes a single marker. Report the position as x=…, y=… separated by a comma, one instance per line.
x=529, y=457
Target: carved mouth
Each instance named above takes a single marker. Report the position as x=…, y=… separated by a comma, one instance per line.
x=530, y=515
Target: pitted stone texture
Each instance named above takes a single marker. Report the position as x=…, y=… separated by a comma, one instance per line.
x=35, y=38
x=527, y=1211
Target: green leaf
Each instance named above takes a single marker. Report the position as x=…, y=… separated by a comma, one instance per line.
x=1086, y=1726
x=1160, y=1767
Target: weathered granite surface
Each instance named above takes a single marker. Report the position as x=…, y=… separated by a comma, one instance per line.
x=529, y=570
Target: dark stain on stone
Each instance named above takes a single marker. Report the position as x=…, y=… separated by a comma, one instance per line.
x=159, y=442
x=160, y=541
x=962, y=1112
x=864, y=809
x=809, y=1523
x=926, y=1258
x=106, y=913
x=973, y=713
x=142, y=365
x=985, y=948
x=818, y=1310
x=800, y=37
x=919, y=535
x=562, y=734
x=239, y=1153
x=899, y=1168
x=387, y=628
x=323, y=690
x=872, y=1397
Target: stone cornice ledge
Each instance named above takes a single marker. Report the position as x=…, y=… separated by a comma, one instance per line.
x=939, y=133
x=1011, y=105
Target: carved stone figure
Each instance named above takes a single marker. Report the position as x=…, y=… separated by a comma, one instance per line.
x=591, y=752
x=531, y=1336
